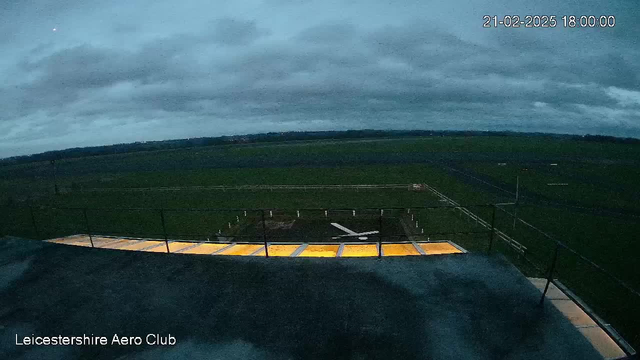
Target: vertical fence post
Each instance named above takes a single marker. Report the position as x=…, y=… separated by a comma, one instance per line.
x=86, y=223
x=515, y=207
x=33, y=221
x=379, y=233
x=2, y=228
x=550, y=276
x=493, y=225
x=164, y=230
x=264, y=236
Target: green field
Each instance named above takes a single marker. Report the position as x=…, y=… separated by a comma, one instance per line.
x=597, y=213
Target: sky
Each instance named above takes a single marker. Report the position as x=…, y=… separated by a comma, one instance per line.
x=84, y=73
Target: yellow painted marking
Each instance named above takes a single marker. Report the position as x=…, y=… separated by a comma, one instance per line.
x=142, y=245
x=69, y=238
x=241, y=249
x=117, y=244
x=57, y=241
x=101, y=241
x=79, y=243
x=204, y=249
x=159, y=249
x=320, y=251
x=282, y=250
x=439, y=248
x=72, y=240
x=399, y=250
x=360, y=250
x=177, y=246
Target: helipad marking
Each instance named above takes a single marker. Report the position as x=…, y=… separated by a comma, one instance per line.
x=399, y=250
x=360, y=250
x=439, y=248
x=320, y=251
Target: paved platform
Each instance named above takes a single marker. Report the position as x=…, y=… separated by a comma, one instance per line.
x=473, y=307
x=600, y=340
x=257, y=249
x=592, y=331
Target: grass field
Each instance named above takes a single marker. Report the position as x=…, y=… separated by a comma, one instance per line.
x=597, y=213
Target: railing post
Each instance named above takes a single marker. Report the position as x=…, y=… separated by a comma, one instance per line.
x=550, y=276
x=379, y=233
x=2, y=229
x=164, y=230
x=493, y=223
x=33, y=221
x=264, y=236
x=86, y=223
x=515, y=207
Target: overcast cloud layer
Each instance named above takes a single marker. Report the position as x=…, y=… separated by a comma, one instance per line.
x=136, y=70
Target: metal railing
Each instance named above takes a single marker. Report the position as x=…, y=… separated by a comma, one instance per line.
x=584, y=279
x=250, y=225
x=246, y=187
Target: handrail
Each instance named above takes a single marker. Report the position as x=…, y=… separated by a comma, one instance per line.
x=449, y=205
x=579, y=255
x=255, y=209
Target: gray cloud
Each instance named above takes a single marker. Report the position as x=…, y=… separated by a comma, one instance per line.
x=235, y=32
x=147, y=80
x=329, y=34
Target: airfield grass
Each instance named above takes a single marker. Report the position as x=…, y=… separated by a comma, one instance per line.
x=601, y=175
x=412, y=150
x=592, y=185
x=608, y=240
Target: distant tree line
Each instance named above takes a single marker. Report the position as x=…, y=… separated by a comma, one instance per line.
x=278, y=137
x=610, y=139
